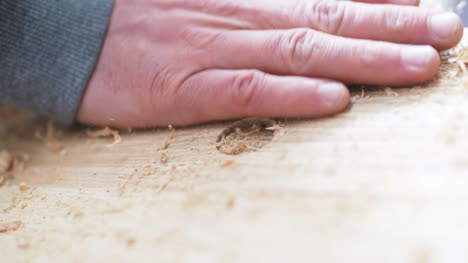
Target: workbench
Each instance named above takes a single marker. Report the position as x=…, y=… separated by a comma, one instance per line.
x=385, y=181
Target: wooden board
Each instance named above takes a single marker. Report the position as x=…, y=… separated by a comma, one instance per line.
x=385, y=181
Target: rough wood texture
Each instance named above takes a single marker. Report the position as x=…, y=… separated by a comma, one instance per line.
x=387, y=181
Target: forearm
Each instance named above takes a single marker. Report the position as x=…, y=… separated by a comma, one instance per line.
x=48, y=50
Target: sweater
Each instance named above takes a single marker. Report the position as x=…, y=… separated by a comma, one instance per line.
x=48, y=51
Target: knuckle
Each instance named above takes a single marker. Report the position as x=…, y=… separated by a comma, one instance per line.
x=327, y=15
x=245, y=86
x=297, y=49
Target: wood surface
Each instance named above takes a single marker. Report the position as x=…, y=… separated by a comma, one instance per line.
x=386, y=181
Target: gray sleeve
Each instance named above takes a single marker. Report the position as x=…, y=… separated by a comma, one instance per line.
x=48, y=50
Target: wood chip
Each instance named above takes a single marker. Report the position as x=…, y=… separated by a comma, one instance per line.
x=24, y=187
x=164, y=159
x=52, y=138
x=390, y=92
x=227, y=163
x=167, y=142
x=248, y=134
x=230, y=203
x=463, y=55
x=460, y=6
x=10, y=226
x=6, y=162
x=462, y=66
x=105, y=132
x=233, y=147
x=22, y=243
x=452, y=60
x=361, y=97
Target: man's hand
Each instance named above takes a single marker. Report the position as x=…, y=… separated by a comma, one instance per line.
x=182, y=62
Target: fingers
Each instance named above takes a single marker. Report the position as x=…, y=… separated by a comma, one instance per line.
x=222, y=94
x=400, y=24
x=310, y=53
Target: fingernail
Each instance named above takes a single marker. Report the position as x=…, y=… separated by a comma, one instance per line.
x=445, y=25
x=417, y=58
x=331, y=93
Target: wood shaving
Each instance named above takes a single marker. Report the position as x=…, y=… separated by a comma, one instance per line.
x=462, y=66
x=105, y=132
x=458, y=55
x=166, y=143
x=164, y=159
x=24, y=187
x=462, y=55
x=452, y=60
x=227, y=163
x=358, y=98
x=52, y=138
x=232, y=147
x=460, y=6
x=6, y=165
x=246, y=125
x=23, y=243
x=6, y=162
x=245, y=135
x=10, y=226
x=390, y=92
x=230, y=203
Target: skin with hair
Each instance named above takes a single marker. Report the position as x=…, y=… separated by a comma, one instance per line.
x=184, y=62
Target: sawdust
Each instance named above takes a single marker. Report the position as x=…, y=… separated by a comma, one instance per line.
x=390, y=92
x=164, y=185
x=7, y=162
x=230, y=203
x=23, y=186
x=10, y=226
x=227, y=163
x=105, y=132
x=167, y=142
x=52, y=138
x=457, y=55
x=124, y=183
x=74, y=213
x=359, y=98
x=164, y=158
x=22, y=243
x=233, y=147
x=21, y=200
x=460, y=6
x=15, y=201
x=247, y=135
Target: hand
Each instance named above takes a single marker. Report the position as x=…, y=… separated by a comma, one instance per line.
x=182, y=62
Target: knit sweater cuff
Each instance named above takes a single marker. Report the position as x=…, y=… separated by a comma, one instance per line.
x=48, y=51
